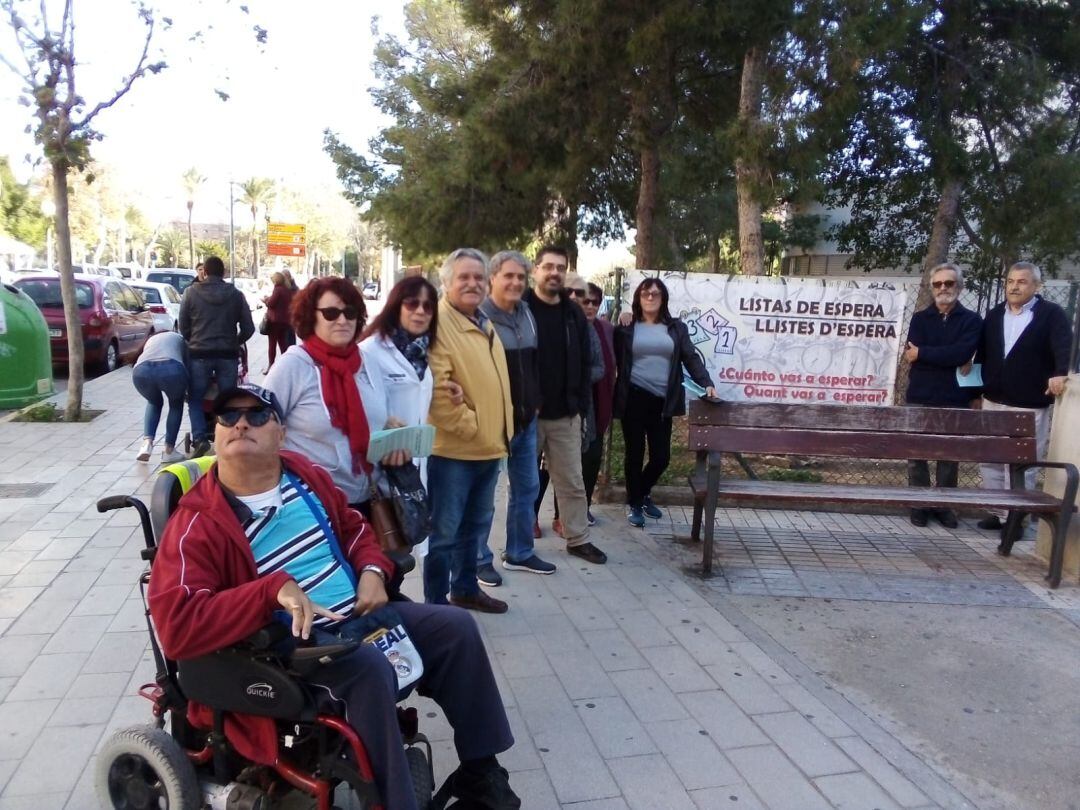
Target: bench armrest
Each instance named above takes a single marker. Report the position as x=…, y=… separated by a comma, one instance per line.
x=1072, y=476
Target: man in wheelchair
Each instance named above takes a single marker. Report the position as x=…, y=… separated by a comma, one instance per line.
x=265, y=533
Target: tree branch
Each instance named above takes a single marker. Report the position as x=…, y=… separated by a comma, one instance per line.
x=140, y=69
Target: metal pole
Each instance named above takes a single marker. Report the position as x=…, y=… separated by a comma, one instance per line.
x=232, y=237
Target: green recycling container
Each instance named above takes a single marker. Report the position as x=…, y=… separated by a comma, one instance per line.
x=25, y=357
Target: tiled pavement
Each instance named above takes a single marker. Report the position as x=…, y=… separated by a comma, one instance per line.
x=628, y=685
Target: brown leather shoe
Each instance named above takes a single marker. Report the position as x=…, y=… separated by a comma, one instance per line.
x=481, y=602
x=537, y=534
x=556, y=526
x=588, y=552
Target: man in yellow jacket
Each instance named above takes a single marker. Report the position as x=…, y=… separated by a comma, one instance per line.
x=471, y=438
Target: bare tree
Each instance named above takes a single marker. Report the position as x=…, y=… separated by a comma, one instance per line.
x=65, y=130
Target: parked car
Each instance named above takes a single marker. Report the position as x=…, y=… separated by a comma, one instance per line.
x=181, y=279
x=164, y=303
x=115, y=321
x=371, y=290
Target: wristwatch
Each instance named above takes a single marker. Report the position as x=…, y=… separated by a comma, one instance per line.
x=377, y=570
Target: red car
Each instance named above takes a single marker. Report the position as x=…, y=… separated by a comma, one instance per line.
x=115, y=320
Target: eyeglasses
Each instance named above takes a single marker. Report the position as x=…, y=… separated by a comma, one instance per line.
x=591, y=302
x=943, y=285
x=412, y=304
x=256, y=416
x=331, y=314
x=574, y=291
x=654, y=293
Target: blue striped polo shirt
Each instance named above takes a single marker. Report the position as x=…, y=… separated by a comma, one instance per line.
x=288, y=538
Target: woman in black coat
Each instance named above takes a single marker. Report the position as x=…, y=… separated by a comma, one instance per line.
x=651, y=352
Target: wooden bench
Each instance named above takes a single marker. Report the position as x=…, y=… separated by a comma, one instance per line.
x=935, y=434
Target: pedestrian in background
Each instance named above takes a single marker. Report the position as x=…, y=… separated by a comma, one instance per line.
x=591, y=448
x=290, y=282
x=472, y=436
x=1024, y=354
x=278, y=326
x=941, y=338
x=651, y=353
x=565, y=346
x=216, y=323
x=514, y=324
x=161, y=373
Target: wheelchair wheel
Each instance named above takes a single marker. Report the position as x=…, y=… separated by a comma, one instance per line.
x=143, y=767
x=423, y=780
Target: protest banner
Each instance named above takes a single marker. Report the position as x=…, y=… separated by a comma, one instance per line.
x=788, y=340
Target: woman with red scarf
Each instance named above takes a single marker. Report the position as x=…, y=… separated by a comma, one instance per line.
x=330, y=400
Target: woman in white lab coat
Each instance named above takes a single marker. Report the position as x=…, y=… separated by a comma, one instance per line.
x=395, y=348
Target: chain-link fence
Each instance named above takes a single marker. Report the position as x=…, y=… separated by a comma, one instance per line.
x=845, y=471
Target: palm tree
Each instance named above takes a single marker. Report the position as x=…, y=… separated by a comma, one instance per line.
x=255, y=192
x=171, y=244
x=192, y=180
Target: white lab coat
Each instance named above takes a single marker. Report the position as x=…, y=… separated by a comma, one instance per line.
x=407, y=397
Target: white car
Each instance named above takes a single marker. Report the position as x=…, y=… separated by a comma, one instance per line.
x=164, y=303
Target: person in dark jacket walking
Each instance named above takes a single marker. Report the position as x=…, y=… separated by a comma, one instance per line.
x=215, y=321
x=513, y=321
x=651, y=353
x=1026, y=341
x=563, y=339
x=941, y=338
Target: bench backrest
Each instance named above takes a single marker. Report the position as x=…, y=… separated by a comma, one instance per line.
x=949, y=434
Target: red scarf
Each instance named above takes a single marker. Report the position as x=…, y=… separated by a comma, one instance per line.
x=337, y=377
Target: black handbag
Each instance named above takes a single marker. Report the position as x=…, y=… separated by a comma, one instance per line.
x=410, y=500
x=264, y=325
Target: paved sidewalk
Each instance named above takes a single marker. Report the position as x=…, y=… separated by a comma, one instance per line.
x=630, y=685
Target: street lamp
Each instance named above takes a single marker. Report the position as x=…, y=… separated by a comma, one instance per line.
x=232, y=235
x=48, y=208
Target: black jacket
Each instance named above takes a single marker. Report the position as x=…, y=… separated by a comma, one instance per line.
x=211, y=314
x=1041, y=352
x=945, y=343
x=517, y=332
x=578, y=353
x=685, y=356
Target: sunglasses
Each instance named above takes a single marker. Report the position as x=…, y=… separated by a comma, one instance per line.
x=592, y=302
x=943, y=285
x=331, y=314
x=574, y=291
x=653, y=293
x=412, y=304
x=256, y=416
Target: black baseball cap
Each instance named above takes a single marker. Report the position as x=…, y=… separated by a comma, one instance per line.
x=264, y=396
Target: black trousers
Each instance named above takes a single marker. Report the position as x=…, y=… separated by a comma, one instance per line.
x=590, y=471
x=362, y=688
x=643, y=424
x=918, y=473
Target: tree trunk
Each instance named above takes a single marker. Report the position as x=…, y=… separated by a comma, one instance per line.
x=190, y=240
x=748, y=171
x=644, y=251
x=72, y=324
x=714, y=255
x=941, y=235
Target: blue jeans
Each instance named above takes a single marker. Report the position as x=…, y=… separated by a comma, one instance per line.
x=203, y=369
x=524, y=479
x=462, y=508
x=153, y=379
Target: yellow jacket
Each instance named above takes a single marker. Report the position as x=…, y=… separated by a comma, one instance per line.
x=481, y=427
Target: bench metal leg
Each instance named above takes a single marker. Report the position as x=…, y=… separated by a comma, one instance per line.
x=695, y=528
x=711, y=496
x=1061, y=527
x=1011, y=533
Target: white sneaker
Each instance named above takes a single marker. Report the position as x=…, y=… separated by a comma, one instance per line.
x=144, y=450
x=171, y=456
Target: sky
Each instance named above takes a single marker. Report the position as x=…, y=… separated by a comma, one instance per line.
x=313, y=72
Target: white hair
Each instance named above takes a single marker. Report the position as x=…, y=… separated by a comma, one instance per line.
x=955, y=268
x=1036, y=273
x=504, y=256
x=446, y=272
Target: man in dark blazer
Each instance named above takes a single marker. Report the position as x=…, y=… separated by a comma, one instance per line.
x=1025, y=362
x=941, y=338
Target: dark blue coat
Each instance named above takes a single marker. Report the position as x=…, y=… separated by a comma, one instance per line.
x=945, y=343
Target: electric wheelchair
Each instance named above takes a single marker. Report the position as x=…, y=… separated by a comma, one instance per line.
x=188, y=767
